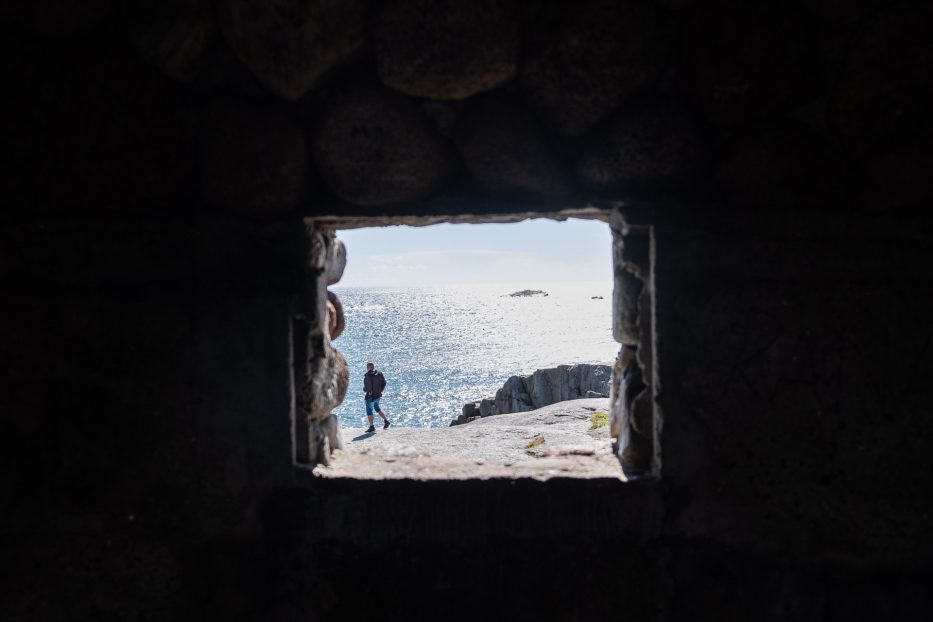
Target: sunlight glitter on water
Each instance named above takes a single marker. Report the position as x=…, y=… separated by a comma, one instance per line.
x=440, y=347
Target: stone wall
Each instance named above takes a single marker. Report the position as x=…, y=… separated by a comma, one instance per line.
x=764, y=167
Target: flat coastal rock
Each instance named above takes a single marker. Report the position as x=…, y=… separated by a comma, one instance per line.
x=446, y=49
x=555, y=441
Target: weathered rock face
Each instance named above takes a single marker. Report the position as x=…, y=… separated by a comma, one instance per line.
x=372, y=147
x=760, y=64
x=487, y=407
x=253, y=161
x=650, y=143
x=549, y=386
x=600, y=52
x=290, y=45
x=506, y=150
x=445, y=49
x=327, y=385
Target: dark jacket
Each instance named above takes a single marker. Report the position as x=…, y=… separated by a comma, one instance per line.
x=373, y=383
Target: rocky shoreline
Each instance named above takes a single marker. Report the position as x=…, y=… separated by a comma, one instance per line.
x=541, y=388
x=568, y=439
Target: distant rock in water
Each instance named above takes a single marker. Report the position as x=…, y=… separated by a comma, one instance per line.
x=596, y=297
x=529, y=292
x=542, y=388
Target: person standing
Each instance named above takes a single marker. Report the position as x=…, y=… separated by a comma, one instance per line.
x=373, y=384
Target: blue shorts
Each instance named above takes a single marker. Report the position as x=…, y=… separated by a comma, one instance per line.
x=372, y=405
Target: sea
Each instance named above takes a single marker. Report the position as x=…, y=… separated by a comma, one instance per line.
x=443, y=346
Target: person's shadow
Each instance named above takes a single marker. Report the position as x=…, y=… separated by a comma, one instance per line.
x=363, y=436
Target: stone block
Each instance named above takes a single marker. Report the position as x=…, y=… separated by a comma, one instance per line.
x=373, y=147
x=289, y=45
x=445, y=49
x=596, y=54
x=506, y=150
x=651, y=143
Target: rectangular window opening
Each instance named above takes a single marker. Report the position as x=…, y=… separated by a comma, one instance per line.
x=509, y=350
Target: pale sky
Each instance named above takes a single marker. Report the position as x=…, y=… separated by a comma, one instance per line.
x=532, y=251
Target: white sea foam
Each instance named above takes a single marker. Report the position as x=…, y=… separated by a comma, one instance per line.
x=440, y=347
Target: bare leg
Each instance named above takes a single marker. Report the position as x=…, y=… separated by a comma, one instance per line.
x=381, y=414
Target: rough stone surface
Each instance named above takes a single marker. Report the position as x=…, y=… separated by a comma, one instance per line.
x=336, y=320
x=171, y=35
x=506, y=151
x=598, y=53
x=651, y=143
x=373, y=147
x=254, y=161
x=445, y=49
x=774, y=166
x=885, y=85
x=748, y=60
x=487, y=407
x=486, y=448
x=548, y=386
x=326, y=387
x=626, y=296
x=289, y=46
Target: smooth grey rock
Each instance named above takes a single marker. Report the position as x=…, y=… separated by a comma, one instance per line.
x=469, y=410
x=336, y=261
x=595, y=394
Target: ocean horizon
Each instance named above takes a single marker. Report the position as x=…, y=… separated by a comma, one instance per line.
x=442, y=346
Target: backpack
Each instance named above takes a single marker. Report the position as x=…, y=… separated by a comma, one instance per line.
x=382, y=381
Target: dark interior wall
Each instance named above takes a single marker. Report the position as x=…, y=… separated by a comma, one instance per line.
x=160, y=160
